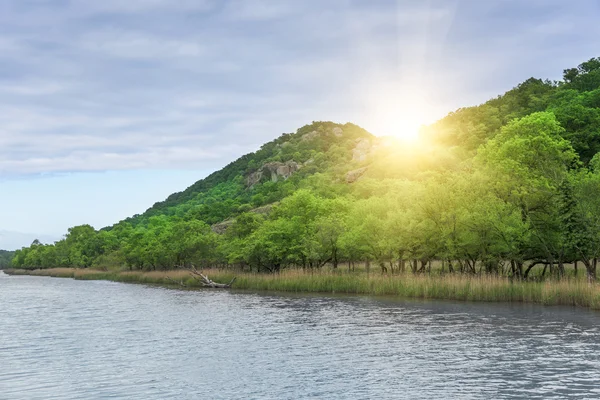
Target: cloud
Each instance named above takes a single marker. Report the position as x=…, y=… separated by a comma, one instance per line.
x=260, y=10
x=135, y=45
x=31, y=88
x=117, y=85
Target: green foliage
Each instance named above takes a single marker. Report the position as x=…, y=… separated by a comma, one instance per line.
x=497, y=189
x=5, y=258
x=585, y=77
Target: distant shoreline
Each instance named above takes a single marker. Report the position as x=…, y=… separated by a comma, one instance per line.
x=568, y=292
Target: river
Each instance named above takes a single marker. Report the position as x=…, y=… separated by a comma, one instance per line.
x=68, y=339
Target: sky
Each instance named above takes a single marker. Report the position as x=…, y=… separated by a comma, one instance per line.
x=107, y=107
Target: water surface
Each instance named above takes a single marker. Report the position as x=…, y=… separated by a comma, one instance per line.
x=67, y=339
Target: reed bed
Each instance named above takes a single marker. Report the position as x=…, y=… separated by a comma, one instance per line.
x=575, y=292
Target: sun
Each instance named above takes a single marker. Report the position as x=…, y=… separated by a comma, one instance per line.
x=401, y=125
x=397, y=108
x=397, y=111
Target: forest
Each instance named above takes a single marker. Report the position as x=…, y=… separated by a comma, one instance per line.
x=509, y=188
x=5, y=258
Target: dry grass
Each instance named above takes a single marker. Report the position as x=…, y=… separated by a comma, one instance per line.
x=576, y=292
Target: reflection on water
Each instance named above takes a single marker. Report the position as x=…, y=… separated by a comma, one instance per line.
x=66, y=339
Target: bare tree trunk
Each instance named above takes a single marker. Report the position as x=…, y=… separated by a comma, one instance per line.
x=561, y=268
x=335, y=257
x=520, y=269
x=205, y=281
x=383, y=267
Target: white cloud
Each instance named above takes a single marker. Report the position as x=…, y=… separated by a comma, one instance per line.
x=31, y=88
x=136, y=45
x=260, y=10
x=137, y=6
x=176, y=84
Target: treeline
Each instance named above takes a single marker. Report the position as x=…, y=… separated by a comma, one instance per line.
x=497, y=189
x=5, y=258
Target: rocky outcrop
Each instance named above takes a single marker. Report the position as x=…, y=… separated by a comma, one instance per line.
x=309, y=136
x=280, y=170
x=264, y=210
x=362, y=150
x=275, y=171
x=337, y=132
x=222, y=227
x=353, y=176
x=254, y=178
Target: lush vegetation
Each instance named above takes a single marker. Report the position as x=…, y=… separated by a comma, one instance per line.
x=5, y=258
x=424, y=286
x=509, y=188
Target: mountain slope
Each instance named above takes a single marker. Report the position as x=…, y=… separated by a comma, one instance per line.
x=224, y=193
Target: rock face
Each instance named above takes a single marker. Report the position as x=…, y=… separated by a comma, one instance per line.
x=353, y=176
x=337, y=132
x=276, y=171
x=281, y=170
x=222, y=227
x=254, y=178
x=264, y=210
x=309, y=136
x=361, y=150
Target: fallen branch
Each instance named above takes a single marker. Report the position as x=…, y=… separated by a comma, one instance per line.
x=205, y=281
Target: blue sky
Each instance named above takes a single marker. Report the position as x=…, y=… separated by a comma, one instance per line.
x=109, y=106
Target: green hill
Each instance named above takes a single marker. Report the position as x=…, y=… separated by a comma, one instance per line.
x=496, y=188
x=261, y=178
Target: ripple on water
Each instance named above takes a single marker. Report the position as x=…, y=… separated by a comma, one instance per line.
x=66, y=339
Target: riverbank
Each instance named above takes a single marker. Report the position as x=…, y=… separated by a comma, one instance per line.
x=574, y=292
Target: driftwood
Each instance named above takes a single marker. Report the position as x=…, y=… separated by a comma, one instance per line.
x=203, y=279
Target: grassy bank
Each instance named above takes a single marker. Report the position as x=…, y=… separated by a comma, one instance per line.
x=574, y=292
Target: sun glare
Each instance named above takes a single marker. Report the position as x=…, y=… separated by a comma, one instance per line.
x=398, y=111
x=404, y=127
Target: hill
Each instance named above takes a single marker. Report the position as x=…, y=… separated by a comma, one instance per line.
x=496, y=188
x=252, y=180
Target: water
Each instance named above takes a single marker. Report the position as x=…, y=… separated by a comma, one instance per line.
x=66, y=339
